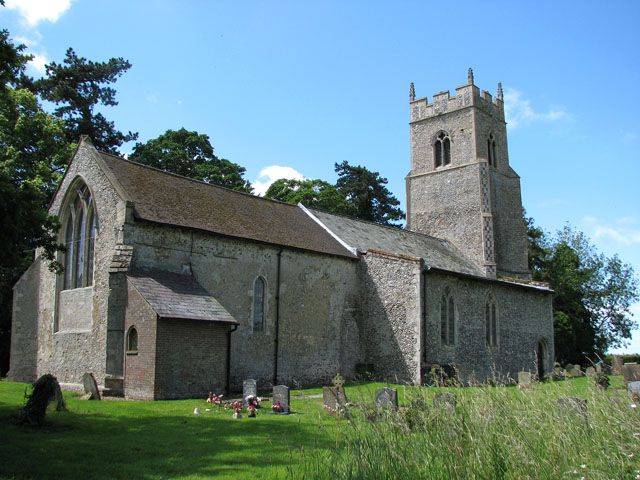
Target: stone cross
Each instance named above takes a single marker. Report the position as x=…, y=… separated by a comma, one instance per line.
x=281, y=394
x=387, y=398
x=338, y=381
x=249, y=387
x=90, y=387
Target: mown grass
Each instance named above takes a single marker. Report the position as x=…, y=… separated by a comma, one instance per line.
x=493, y=433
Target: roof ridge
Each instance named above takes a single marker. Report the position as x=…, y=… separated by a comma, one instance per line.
x=213, y=185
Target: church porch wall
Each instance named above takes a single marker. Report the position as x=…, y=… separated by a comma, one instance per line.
x=524, y=317
x=68, y=352
x=391, y=290
x=317, y=298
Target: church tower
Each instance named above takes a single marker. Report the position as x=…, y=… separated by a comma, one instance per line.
x=461, y=186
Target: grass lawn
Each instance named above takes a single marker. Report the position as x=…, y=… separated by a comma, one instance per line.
x=164, y=439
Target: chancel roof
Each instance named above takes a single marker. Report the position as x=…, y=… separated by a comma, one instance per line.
x=172, y=295
x=171, y=199
x=436, y=252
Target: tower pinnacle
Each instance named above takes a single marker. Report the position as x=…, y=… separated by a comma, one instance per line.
x=500, y=94
x=470, y=76
x=412, y=92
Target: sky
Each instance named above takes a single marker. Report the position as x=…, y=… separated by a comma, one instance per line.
x=288, y=89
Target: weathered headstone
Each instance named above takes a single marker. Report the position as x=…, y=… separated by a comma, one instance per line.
x=445, y=400
x=634, y=389
x=90, y=385
x=334, y=398
x=598, y=368
x=249, y=387
x=387, y=398
x=573, y=405
x=616, y=367
x=525, y=380
x=282, y=395
x=575, y=371
x=568, y=367
x=590, y=371
x=631, y=372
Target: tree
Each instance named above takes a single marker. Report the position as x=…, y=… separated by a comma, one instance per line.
x=33, y=155
x=592, y=293
x=367, y=194
x=78, y=86
x=316, y=194
x=190, y=154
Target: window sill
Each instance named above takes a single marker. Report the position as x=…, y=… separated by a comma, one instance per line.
x=132, y=352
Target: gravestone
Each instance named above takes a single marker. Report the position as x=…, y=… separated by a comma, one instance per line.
x=590, y=372
x=249, y=387
x=634, y=389
x=598, y=368
x=631, y=372
x=573, y=405
x=90, y=385
x=616, y=367
x=281, y=394
x=445, y=400
x=387, y=398
x=334, y=397
x=525, y=380
x=575, y=371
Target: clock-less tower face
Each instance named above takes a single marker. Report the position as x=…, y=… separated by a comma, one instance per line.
x=461, y=186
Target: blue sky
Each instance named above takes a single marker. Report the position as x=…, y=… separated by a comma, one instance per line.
x=290, y=88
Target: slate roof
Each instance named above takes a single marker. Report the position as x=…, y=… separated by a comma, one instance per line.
x=172, y=295
x=170, y=199
x=436, y=252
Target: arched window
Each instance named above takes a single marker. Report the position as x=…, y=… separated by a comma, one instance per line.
x=442, y=150
x=132, y=340
x=447, y=318
x=80, y=233
x=258, y=304
x=491, y=323
x=491, y=150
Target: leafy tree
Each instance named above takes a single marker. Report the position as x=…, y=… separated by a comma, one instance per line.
x=311, y=193
x=367, y=195
x=592, y=293
x=190, y=154
x=33, y=154
x=78, y=86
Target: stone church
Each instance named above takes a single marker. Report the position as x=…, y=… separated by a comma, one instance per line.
x=173, y=287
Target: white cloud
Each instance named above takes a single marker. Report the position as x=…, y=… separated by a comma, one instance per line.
x=270, y=174
x=518, y=110
x=622, y=230
x=36, y=11
x=38, y=63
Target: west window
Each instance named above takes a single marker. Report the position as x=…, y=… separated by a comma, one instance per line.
x=447, y=318
x=259, y=298
x=491, y=323
x=442, y=150
x=80, y=233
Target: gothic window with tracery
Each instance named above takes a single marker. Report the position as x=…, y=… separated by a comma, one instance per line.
x=442, y=150
x=80, y=233
x=259, y=298
x=491, y=323
x=447, y=318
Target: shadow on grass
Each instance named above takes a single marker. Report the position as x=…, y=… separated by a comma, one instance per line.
x=98, y=445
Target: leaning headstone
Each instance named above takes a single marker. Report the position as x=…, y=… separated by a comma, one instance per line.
x=573, y=405
x=387, y=398
x=616, y=367
x=445, y=400
x=590, y=371
x=631, y=372
x=525, y=380
x=249, y=387
x=333, y=398
x=90, y=385
x=282, y=395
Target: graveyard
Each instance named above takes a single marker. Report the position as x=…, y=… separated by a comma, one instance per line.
x=562, y=429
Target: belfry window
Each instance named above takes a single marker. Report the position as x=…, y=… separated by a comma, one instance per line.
x=80, y=233
x=442, y=150
x=491, y=150
x=259, y=298
x=447, y=319
x=491, y=324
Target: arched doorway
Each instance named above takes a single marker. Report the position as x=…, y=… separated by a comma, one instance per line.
x=541, y=355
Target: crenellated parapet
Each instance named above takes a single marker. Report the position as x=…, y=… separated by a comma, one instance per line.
x=466, y=96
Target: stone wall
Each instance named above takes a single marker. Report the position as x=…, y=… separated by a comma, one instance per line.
x=140, y=366
x=524, y=318
x=191, y=358
x=392, y=313
x=318, y=332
